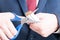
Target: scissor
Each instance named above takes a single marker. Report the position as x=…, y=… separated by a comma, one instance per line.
x=22, y=20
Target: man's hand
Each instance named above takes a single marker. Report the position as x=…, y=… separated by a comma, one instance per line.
x=47, y=24
x=7, y=29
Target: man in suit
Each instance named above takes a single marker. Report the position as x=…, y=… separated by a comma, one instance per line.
x=48, y=13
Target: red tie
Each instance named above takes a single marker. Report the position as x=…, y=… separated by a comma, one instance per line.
x=31, y=4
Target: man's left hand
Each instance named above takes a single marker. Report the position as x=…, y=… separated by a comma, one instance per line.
x=47, y=25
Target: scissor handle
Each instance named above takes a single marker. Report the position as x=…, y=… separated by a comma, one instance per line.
x=18, y=28
x=16, y=18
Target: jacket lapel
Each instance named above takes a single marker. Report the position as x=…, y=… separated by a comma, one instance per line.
x=41, y=5
x=23, y=5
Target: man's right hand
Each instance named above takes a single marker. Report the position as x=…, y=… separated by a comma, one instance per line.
x=7, y=29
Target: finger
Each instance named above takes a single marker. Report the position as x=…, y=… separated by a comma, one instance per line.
x=0, y=38
x=28, y=13
x=11, y=27
x=7, y=21
x=3, y=36
x=7, y=15
x=6, y=31
x=35, y=29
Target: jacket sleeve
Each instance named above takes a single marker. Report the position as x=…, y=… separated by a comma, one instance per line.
x=57, y=11
x=58, y=18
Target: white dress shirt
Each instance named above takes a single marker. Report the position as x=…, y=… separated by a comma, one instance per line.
x=37, y=2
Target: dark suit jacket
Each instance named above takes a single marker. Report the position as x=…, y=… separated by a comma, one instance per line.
x=19, y=7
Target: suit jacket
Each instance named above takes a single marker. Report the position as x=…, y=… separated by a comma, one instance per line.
x=19, y=7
